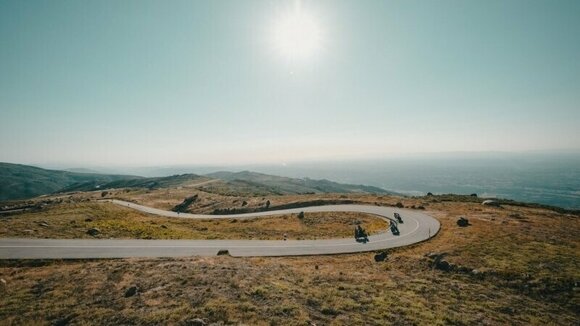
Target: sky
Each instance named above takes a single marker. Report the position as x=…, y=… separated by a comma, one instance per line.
x=232, y=82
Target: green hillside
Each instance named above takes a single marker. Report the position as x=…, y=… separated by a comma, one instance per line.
x=23, y=181
x=140, y=182
x=284, y=185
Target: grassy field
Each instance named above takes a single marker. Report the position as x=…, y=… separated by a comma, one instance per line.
x=72, y=220
x=513, y=265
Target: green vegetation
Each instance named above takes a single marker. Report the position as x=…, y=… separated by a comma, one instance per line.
x=23, y=181
x=182, y=180
x=262, y=184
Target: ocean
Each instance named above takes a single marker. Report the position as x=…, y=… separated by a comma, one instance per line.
x=552, y=179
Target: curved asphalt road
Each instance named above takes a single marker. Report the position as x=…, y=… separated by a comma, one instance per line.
x=417, y=227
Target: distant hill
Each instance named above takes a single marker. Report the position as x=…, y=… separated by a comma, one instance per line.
x=284, y=185
x=23, y=181
x=82, y=170
x=182, y=180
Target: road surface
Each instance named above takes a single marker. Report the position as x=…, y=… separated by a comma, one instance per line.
x=417, y=227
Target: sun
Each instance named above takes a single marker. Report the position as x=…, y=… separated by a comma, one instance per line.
x=296, y=35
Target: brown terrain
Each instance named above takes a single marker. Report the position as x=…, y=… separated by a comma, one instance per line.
x=512, y=265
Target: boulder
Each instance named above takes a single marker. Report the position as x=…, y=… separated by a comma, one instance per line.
x=463, y=222
x=381, y=256
x=131, y=291
x=443, y=265
x=223, y=252
x=93, y=231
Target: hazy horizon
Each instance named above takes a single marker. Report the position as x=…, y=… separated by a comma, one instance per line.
x=551, y=178
x=148, y=83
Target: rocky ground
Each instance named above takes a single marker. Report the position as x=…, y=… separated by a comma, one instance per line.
x=510, y=265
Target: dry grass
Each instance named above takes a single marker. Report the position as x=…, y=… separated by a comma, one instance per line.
x=527, y=260
x=73, y=220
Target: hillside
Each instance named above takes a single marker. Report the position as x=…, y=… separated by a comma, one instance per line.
x=173, y=181
x=24, y=181
x=512, y=265
x=284, y=185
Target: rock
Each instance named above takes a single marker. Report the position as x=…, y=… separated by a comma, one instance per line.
x=507, y=310
x=463, y=222
x=3, y=285
x=28, y=231
x=436, y=255
x=381, y=256
x=63, y=321
x=194, y=322
x=490, y=202
x=443, y=265
x=43, y=224
x=244, y=203
x=463, y=269
x=131, y=292
x=93, y=231
x=223, y=252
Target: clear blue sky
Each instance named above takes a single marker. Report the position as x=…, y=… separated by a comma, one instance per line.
x=186, y=82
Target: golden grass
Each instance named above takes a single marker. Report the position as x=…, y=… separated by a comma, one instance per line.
x=73, y=221
x=529, y=260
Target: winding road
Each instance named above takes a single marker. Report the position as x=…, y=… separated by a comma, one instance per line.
x=417, y=227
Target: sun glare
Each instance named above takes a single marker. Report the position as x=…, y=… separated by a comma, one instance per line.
x=297, y=34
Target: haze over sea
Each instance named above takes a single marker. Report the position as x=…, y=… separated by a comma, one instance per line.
x=551, y=178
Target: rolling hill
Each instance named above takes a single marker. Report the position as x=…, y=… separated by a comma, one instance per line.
x=19, y=181
x=182, y=180
x=284, y=185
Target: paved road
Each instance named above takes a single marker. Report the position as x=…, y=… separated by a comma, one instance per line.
x=417, y=227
